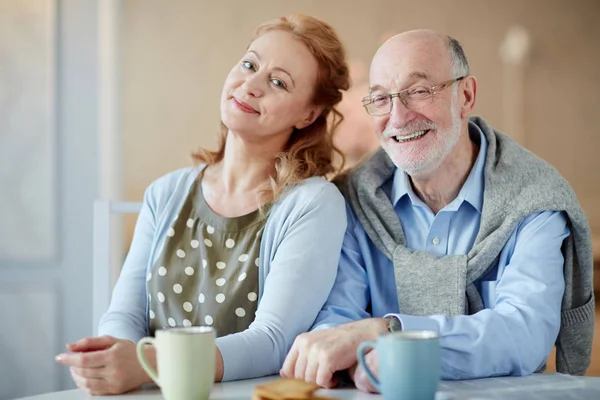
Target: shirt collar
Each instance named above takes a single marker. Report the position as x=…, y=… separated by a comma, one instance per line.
x=472, y=190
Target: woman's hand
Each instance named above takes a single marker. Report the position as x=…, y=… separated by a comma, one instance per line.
x=106, y=365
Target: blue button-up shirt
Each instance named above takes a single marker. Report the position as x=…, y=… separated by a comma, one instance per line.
x=515, y=332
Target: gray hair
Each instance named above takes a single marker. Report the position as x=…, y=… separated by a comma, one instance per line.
x=458, y=59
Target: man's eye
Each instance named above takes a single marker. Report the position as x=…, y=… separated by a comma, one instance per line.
x=380, y=99
x=419, y=91
x=249, y=65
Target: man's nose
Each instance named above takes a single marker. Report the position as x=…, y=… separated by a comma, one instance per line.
x=400, y=115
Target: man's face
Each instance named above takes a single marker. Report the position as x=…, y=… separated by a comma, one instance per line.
x=417, y=139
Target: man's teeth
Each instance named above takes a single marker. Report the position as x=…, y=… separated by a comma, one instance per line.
x=412, y=136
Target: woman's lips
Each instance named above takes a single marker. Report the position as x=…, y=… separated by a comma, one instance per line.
x=244, y=107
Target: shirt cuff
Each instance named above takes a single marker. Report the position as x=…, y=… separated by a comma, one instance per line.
x=416, y=323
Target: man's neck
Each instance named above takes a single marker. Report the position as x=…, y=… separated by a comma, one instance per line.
x=441, y=187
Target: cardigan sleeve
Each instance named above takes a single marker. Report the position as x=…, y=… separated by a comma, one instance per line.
x=302, y=270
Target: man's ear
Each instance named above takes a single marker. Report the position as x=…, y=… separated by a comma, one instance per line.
x=312, y=115
x=469, y=96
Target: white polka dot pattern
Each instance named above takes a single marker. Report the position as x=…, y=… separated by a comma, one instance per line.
x=206, y=275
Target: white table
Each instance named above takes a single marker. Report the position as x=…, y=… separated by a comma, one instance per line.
x=535, y=387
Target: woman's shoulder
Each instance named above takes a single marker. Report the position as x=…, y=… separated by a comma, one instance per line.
x=172, y=184
x=311, y=189
x=316, y=194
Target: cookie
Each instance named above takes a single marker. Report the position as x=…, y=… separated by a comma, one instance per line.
x=286, y=389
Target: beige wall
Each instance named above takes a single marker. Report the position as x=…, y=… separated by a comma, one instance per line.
x=176, y=54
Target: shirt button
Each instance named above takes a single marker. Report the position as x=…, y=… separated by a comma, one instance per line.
x=436, y=241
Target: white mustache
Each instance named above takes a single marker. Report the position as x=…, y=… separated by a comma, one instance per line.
x=409, y=128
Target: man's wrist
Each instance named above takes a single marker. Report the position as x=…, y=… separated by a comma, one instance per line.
x=380, y=327
x=393, y=323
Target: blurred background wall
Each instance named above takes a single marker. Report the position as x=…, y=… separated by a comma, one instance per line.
x=175, y=56
x=133, y=96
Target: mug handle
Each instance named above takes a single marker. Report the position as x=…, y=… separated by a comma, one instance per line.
x=141, y=355
x=360, y=354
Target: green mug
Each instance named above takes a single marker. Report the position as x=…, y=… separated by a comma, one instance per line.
x=185, y=361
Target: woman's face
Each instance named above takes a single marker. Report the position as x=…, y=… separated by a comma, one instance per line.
x=269, y=91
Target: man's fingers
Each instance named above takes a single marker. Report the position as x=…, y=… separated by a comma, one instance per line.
x=300, y=367
x=324, y=376
x=288, y=368
x=312, y=366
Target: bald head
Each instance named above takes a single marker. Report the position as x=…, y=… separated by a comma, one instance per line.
x=425, y=52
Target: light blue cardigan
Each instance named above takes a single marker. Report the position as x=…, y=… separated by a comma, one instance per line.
x=299, y=255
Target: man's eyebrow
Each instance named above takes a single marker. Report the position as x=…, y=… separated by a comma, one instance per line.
x=374, y=88
x=412, y=75
x=276, y=68
x=419, y=75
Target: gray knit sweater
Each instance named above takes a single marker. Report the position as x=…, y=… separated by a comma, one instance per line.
x=517, y=184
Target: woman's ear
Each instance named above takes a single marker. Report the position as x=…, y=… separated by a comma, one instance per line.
x=312, y=115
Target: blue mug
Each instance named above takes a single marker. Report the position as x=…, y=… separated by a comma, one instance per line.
x=409, y=364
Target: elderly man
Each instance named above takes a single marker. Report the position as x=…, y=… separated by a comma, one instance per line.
x=452, y=227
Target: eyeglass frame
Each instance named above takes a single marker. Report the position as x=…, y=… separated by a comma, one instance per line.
x=433, y=90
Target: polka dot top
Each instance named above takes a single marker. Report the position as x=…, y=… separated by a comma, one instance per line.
x=207, y=273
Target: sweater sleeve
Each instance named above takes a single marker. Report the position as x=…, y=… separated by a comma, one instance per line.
x=126, y=315
x=301, y=274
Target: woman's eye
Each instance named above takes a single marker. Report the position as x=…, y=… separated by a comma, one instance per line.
x=249, y=65
x=278, y=83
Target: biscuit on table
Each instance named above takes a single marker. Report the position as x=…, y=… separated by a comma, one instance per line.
x=285, y=389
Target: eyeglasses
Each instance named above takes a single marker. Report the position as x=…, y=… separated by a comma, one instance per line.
x=413, y=98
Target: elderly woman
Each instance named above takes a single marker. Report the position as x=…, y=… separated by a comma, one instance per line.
x=249, y=240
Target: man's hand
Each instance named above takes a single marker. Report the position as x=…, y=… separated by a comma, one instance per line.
x=359, y=376
x=105, y=365
x=316, y=356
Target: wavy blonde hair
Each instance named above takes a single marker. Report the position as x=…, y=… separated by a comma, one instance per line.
x=309, y=151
